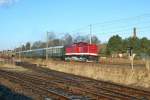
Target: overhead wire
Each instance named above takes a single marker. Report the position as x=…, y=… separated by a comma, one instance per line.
x=118, y=26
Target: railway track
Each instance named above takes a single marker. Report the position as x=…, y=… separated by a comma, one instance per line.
x=100, y=86
x=108, y=85
x=42, y=84
x=90, y=87
x=38, y=86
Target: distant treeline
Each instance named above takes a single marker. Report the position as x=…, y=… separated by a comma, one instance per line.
x=54, y=40
x=116, y=45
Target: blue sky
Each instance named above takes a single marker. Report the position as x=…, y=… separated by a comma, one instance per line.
x=28, y=20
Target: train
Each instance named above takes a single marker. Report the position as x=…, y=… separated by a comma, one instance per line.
x=80, y=51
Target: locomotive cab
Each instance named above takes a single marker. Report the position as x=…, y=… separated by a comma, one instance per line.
x=81, y=51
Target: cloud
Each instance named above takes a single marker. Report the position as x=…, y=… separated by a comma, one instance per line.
x=7, y=2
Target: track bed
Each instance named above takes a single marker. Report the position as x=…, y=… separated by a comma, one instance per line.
x=61, y=86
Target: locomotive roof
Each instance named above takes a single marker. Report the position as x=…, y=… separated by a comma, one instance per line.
x=81, y=43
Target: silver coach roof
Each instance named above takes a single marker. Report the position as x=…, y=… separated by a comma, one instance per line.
x=42, y=49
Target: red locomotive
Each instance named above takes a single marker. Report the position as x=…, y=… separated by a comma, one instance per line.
x=81, y=52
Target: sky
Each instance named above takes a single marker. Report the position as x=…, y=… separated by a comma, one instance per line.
x=24, y=21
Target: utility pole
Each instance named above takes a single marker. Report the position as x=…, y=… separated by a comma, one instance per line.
x=47, y=47
x=30, y=46
x=134, y=32
x=90, y=33
x=131, y=56
x=30, y=49
x=20, y=52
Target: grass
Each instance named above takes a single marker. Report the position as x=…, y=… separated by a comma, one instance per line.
x=122, y=74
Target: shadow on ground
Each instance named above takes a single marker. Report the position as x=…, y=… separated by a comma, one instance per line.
x=8, y=94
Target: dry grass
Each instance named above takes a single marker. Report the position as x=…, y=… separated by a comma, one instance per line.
x=140, y=76
x=11, y=67
x=17, y=88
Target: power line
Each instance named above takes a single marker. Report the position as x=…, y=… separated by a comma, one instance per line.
x=123, y=19
x=85, y=27
x=114, y=21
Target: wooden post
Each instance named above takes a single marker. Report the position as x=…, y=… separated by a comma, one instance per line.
x=147, y=64
x=132, y=60
x=47, y=47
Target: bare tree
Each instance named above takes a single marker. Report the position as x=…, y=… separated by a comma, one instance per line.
x=38, y=44
x=56, y=42
x=80, y=38
x=51, y=36
x=28, y=45
x=68, y=39
x=95, y=39
x=23, y=48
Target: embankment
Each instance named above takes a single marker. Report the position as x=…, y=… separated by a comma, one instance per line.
x=122, y=74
